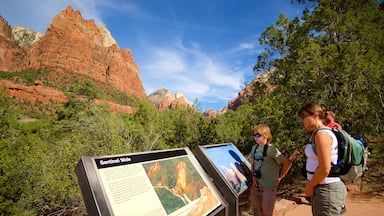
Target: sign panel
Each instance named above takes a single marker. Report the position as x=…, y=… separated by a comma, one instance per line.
x=165, y=183
x=222, y=163
x=225, y=157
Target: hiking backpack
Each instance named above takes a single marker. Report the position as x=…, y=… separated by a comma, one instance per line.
x=352, y=156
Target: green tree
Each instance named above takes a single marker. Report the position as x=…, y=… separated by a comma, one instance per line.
x=10, y=173
x=86, y=88
x=332, y=56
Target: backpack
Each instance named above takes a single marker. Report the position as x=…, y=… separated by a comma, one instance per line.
x=352, y=156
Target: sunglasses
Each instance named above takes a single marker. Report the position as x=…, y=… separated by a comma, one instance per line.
x=302, y=116
x=257, y=135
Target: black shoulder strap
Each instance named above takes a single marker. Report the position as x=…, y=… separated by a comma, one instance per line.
x=264, y=150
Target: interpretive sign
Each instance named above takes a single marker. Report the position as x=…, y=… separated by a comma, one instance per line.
x=222, y=163
x=170, y=182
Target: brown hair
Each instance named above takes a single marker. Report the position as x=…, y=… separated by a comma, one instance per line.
x=312, y=109
x=264, y=130
x=330, y=113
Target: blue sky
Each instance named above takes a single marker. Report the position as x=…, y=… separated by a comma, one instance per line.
x=205, y=49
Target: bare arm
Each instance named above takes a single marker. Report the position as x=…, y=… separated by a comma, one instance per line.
x=286, y=166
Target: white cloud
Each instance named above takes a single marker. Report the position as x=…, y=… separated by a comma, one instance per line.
x=246, y=46
x=165, y=62
x=191, y=71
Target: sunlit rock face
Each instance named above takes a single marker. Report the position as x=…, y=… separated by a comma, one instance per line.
x=211, y=113
x=50, y=96
x=247, y=93
x=164, y=99
x=71, y=44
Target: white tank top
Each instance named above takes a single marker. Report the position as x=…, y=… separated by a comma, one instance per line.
x=313, y=162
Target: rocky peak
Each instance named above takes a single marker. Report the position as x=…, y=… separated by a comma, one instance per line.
x=72, y=44
x=159, y=94
x=164, y=99
x=108, y=40
x=25, y=37
x=222, y=110
x=247, y=94
x=211, y=113
x=5, y=29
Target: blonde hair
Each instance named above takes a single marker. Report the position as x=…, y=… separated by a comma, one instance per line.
x=264, y=130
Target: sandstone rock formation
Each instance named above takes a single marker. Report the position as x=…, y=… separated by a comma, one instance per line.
x=33, y=93
x=73, y=44
x=10, y=54
x=211, y=113
x=25, y=37
x=48, y=95
x=163, y=99
x=246, y=94
x=222, y=110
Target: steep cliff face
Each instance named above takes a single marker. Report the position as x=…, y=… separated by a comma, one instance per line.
x=10, y=54
x=73, y=44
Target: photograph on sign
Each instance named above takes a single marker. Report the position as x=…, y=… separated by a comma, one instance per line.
x=231, y=163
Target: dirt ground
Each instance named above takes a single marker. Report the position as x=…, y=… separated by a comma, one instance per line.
x=365, y=196
x=357, y=205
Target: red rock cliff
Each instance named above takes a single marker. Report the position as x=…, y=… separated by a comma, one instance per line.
x=73, y=44
x=10, y=55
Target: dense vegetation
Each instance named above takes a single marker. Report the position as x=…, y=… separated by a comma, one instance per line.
x=331, y=55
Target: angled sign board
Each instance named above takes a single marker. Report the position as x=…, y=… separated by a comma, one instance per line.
x=167, y=182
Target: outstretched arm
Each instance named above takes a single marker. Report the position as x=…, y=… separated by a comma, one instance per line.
x=294, y=155
x=286, y=166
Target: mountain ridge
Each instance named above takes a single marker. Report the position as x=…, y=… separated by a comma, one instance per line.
x=71, y=43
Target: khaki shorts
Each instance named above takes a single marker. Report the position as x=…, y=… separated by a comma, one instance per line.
x=328, y=199
x=263, y=200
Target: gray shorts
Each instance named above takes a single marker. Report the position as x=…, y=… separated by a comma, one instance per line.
x=328, y=199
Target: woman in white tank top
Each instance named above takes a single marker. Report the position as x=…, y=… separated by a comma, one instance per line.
x=327, y=193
